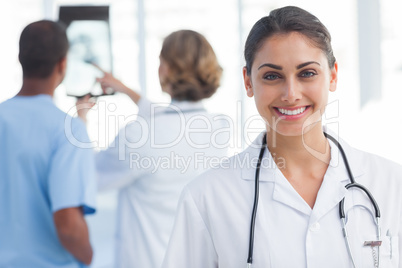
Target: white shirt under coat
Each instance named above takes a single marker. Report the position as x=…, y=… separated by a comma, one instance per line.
x=150, y=162
x=213, y=220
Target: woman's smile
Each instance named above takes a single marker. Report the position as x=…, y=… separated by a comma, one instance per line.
x=295, y=113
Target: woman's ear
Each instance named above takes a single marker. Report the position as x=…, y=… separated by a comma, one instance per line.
x=247, y=83
x=334, y=78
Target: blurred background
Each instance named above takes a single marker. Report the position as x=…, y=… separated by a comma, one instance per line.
x=367, y=42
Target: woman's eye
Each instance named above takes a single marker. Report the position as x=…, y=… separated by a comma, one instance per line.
x=271, y=76
x=307, y=74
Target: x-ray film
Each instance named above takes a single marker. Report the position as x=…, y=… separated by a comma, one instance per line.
x=88, y=33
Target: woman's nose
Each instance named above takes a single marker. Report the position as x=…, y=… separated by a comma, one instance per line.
x=291, y=91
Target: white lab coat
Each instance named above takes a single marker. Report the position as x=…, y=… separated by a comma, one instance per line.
x=213, y=220
x=150, y=162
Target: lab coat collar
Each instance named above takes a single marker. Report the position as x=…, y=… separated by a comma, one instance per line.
x=249, y=158
x=183, y=106
x=336, y=167
x=147, y=109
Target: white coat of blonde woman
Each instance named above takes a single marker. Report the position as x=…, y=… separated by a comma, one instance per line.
x=167, y=146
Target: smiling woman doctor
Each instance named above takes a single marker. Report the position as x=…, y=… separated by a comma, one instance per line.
x=289, y=215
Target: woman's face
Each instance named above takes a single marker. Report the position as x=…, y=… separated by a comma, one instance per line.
x=290, y=80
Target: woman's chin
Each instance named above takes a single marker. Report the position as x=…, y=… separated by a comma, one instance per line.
x=292, y=131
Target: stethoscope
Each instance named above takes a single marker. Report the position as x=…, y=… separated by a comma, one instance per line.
x=352, y=184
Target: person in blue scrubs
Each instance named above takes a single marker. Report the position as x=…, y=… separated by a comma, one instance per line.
x=47, y=182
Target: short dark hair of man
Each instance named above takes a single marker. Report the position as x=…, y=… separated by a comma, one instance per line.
x=42, y=45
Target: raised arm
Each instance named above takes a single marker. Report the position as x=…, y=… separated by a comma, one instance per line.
x=72, y=231
x=109, y=81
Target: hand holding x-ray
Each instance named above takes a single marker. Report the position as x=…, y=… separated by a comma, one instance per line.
x=88, y=32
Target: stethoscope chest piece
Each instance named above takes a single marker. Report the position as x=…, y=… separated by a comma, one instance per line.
x=353, y=184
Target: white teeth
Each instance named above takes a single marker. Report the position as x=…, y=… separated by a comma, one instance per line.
x=292, y=112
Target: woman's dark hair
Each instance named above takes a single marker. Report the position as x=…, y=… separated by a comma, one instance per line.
x=193, y=69
x=286, y=20
x=42, y=45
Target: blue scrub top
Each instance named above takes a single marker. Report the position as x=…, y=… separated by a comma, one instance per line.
x=42, y=170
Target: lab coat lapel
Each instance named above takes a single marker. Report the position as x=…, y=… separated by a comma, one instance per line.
x=247, y=162
x=333, y=190
x=287, y=195
x=283, y=192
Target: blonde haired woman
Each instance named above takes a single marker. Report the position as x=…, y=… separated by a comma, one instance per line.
x=154, y=157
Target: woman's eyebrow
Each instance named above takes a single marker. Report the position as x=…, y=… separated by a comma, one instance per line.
x=270, y=65
x=277, y=67
x=306, y=63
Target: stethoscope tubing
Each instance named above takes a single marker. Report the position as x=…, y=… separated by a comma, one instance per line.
x=352, y=184
x=256, y=196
